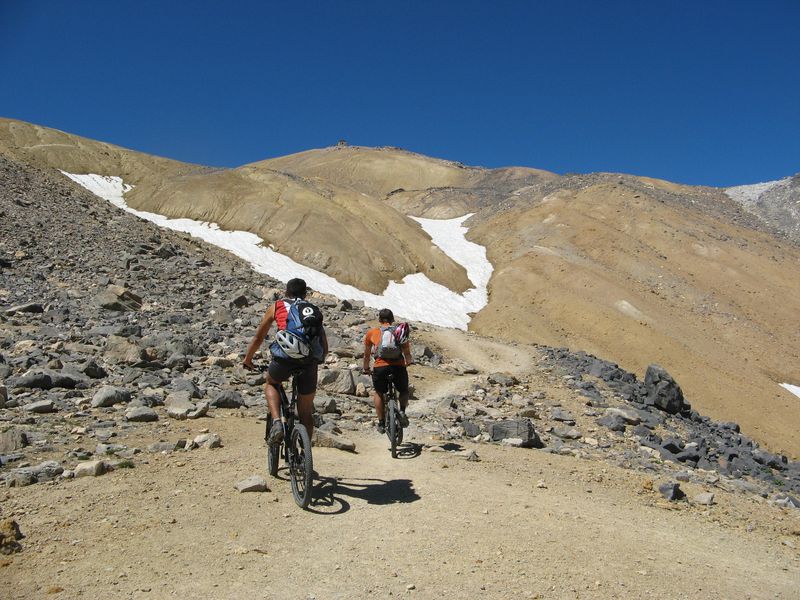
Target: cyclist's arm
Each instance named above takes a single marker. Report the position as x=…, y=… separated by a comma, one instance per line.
x=406, y=348
x=258, y=338
x=324, y=337
x=367, y=352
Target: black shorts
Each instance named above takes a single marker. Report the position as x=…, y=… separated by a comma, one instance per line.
x=306, y=374
x=380, y=378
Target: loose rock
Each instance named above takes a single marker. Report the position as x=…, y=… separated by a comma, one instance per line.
x=208, y=440
x=326, y=439
x=92, y=468
x=671, y=491
x=40, y=407
x=109, y=396
x=118, y=298
x=10, y=535
x=141, y=414
x=255, y=483
x=706, y=498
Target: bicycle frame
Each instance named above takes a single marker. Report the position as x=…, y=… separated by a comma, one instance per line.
x=289, y=413
x=295, y=447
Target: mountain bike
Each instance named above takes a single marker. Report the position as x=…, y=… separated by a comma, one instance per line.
x=394, y=428
x=295, y=447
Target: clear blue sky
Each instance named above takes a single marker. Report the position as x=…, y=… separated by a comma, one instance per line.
x=690, y=91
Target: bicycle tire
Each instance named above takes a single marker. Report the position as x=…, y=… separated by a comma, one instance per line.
x=393, y=426
x=399, y=430
x=301, y=465
x=273, y=452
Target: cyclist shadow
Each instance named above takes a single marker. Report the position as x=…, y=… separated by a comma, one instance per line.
x=408, y=450
x=330, y=493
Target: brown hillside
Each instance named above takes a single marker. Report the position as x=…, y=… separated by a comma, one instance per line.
x=45, y=147
x=412, y=183
x=637, y=280
x=320, y=224
x=634, y=269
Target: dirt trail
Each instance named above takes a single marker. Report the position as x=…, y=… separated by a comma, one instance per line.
x=482, y=353
x=424, y=526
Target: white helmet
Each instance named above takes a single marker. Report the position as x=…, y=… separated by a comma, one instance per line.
x=292, y=345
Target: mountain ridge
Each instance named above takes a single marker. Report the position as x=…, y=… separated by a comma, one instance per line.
x=635, y=269
x=128, y=425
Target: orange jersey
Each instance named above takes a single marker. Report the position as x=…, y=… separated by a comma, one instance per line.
x=373, y=339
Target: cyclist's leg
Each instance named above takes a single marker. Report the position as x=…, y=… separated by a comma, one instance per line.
x=273, y=401
x=277, y=373
x=377, y=401
x=401, y=384
x=404, y=400
x=305, y=408
x=380, y=385
x=306, y=391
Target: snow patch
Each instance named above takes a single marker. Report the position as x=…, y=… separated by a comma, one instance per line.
x=49, y=146
x=416, y=297
x=450, y=236
x=629, y=309
x=546, y=250
x=794, y=389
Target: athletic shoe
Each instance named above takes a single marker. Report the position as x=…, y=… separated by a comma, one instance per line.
x=381, y=428
x=275, y=433
x=403, y=419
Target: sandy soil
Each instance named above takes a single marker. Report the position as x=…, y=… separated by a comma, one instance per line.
x=423, y=525
x=517, y=523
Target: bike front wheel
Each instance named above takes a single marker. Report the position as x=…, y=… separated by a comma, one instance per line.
x=394, y=430
x=273, y=452
x=301, y=465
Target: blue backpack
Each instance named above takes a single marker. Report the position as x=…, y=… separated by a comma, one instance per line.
x=299, y=336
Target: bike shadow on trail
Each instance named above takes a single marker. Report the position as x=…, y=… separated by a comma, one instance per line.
x=408, y=450
x=330, y=493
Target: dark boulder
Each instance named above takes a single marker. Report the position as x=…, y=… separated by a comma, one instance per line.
x=612, y=422
x=516, y=428
x=662, y=390
x=38, y=380
x=671, y=491
x=31, y=307
x=503, y=379
x=228, y=399
x=471, y=429
x=672, y=445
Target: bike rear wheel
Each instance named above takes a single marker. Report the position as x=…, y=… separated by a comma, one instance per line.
x=394, y=430
x=301, y=465
x=273, y=452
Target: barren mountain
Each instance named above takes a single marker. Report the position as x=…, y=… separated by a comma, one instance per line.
x=627, y=274
x=331, y=228
x=410, y=182
x=637, y=270
x=128, y=429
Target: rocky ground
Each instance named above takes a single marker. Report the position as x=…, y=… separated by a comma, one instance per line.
x=119, y=357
